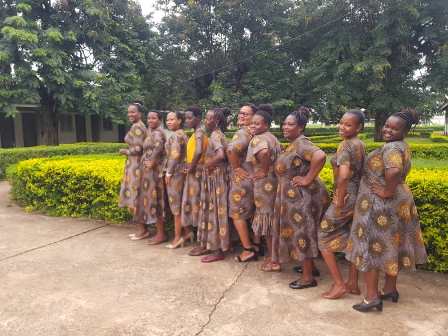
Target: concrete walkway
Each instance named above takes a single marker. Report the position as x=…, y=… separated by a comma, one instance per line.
x=61, y=276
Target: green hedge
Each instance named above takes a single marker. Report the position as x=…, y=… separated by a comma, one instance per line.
x=88, y=186
x=439, y=137
x=10, y=156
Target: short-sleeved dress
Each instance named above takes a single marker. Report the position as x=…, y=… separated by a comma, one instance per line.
x=265, y=188
x=191, y=195
x=130, y=184
x=298, y=210
x=241, y=194
x=175, y=150
x=385, y=233
x=213, y=231
x=152, y=194
x=335, y=226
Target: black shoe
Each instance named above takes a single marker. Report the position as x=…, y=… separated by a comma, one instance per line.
x=366, y=306
x=391, y=296
x=299, y=269
x=297, y=285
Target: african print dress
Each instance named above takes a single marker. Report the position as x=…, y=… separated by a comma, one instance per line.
x=130, y=184
x=191, y=195
x=241, y=194
x=152, y=194
x=213, y=233
x=298, y=210
x=335, y=225
x=385, y=233
x=175, y=149
x=264, y=189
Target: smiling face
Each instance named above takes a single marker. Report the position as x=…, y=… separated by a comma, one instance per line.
x=258, y=125
x=133, y=114
x=291, y=129
x=245, y=116
x=172, y=122
x=153, y=120
x=349, y=126
x=210, y=121
x=394, y=129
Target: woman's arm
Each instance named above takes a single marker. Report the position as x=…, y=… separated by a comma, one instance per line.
x=317, y=162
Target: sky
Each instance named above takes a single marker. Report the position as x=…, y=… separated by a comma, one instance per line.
x=148, y=8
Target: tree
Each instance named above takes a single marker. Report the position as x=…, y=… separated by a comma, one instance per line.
x=80, y=55
x=371, y=54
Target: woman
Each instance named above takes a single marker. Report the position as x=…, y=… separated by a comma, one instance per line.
x=335, y=226
x=301, y=199
x=152, y=196
x=261, y=155
x=196, y=147
x=130, y=184
x=176, y=149
x=213, y=229
x=241, y=195
x=385, y=234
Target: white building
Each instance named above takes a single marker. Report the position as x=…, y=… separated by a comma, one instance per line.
x=23, y=130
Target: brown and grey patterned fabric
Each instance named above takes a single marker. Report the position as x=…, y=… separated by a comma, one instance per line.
x=297, y=210
x=265, y=188
x=175, y=149
x=191, y=195
x=241, y=194
x=335, y=226
x=385, y=234
x=213, y=231
x=151, y=203
x=130, y=184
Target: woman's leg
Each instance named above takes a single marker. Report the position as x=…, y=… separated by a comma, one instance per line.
x=160, y=235
x=177, y=228
x=307, y=275
x=243, y=233
x=390, y=284
x=352, y=283
x=338, y=287
x=371, y=281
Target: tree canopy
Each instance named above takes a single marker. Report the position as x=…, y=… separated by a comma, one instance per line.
x=94, y=56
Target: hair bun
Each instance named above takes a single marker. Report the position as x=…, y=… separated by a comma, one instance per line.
x=412, y=114
x=267, y=108
x=138, y=102
x=304, y=112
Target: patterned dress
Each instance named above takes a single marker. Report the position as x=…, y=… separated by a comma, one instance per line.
x=298, y=211
x=191, y=195
x=175, y=149
x=130, y=184
x=264, y=189
x=213, y=233
x=385, y=233
x=152, y=194
x=335, y=226
x=241, y=194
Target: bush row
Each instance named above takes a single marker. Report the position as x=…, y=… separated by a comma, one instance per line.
x=10, y=156
x=88, y=186
x=439, y=137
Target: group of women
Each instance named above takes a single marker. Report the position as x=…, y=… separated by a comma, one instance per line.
x=274, y=198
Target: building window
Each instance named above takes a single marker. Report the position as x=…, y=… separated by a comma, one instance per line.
x=66, y=123
x=107, y=125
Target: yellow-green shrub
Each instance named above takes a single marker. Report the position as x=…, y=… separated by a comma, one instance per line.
x=439, y=137
x=9, y=156
x=89, y=186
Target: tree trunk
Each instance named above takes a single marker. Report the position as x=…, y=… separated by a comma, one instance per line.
x=49, y=121
x=380, y=119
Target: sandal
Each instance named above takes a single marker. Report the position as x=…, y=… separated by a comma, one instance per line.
x=271, y=266
x=253, y=257
x=135, y=237
x=198, y=251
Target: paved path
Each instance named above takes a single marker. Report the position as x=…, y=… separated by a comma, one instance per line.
x=62, y=276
